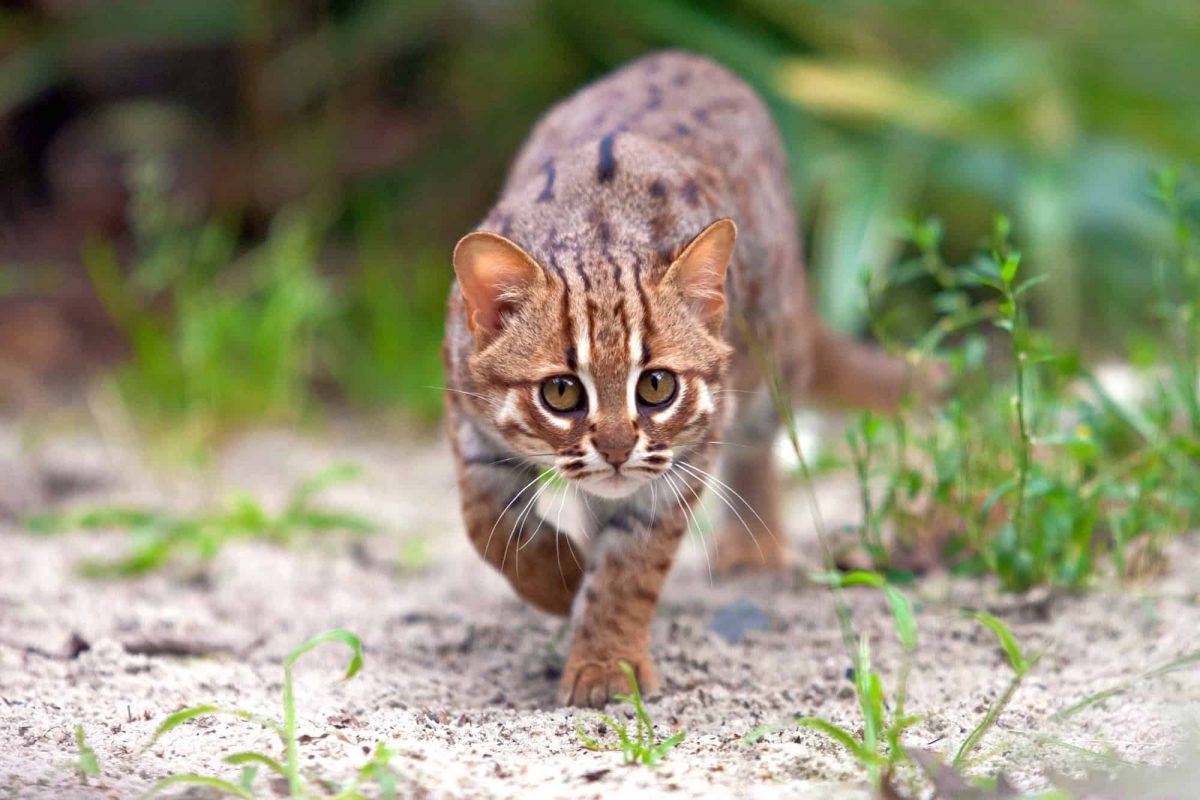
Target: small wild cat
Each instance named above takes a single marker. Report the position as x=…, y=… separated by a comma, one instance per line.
x=640, y=272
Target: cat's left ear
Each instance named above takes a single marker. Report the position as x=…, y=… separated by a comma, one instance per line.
x=495, y=274
x=699, y=271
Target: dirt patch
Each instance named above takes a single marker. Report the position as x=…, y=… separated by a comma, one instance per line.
x=460, y=676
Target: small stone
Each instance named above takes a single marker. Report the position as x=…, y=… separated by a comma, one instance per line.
x=734, y=621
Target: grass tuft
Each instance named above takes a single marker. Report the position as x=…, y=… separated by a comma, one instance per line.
x=87, y=763
x=300, y=782
x=159, y=538
x=1031, y=471
x=1020, y=664
x=639, y=747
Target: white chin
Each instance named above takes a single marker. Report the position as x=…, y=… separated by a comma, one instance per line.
x=612, y=487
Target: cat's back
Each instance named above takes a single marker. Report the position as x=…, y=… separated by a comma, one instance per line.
x=689, y=103
x=639, y=162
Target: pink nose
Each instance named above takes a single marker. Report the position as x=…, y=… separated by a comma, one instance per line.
x=615, y=454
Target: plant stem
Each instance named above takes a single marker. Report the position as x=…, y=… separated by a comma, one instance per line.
x=295, y=786
x=1025, y=445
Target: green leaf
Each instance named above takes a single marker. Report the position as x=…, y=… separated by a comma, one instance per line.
x=1025, y=286
x=1008, y=270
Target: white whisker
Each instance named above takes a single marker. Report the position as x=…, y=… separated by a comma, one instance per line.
x=488, y=544
x=736, y=494
x=686, y=511
x=558, y=534
x=530, y=508
x=728, y=504
x=487, y=400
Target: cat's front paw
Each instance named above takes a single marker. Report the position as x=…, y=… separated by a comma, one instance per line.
x=594, y=682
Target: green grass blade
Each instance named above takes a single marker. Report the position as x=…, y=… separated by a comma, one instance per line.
x=198, y=780
x=325, y=479
x=662, y=748
x=186, y=715
x=88, y=763
x=1186, y=660
x=592, y=744
x=322, y=521
x=345, y=637
x=1008, y=642
x=839, y=735
x=242, y=759
x=902, y=613
x=901, y=607
x=759, y=731
x=290, y=742
x=246, y=780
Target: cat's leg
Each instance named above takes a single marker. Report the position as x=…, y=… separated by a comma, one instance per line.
x=499, y=508
x=610, y=623
x=750, y=534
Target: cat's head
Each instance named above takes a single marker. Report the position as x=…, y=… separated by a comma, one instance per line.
x=607, y=374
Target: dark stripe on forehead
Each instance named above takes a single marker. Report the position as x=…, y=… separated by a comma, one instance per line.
x=624, y=317
x=647, y=320
x=591, y=319
x=587, y=282
x=568, y=325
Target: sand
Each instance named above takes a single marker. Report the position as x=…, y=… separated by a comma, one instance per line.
x=460, y=677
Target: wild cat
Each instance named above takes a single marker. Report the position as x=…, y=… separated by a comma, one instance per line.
x=616, y=320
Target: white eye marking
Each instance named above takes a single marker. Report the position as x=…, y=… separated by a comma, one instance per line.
x=508, y=411
x=583, y=355
x=557, y=420
x=631, y=391
x=669, y=411
x=704, y=400
x=635, y=370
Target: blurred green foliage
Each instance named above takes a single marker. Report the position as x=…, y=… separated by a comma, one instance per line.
x=1035, y=471
x=1058, y=112
x=158, y=539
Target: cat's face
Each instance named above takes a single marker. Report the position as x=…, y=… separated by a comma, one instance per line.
x=607, y=380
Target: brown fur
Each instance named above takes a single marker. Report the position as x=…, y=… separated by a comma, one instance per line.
x=611, y=253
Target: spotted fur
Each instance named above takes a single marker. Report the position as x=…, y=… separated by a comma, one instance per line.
x=607, y=255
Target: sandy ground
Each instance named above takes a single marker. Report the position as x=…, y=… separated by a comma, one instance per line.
x=460, y=676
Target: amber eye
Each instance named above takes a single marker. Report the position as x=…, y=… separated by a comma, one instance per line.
x=656, y=387
x=563, y=393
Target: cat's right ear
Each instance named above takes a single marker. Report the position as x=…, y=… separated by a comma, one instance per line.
x=494, y=274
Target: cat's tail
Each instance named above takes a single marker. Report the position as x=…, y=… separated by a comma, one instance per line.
x=852, y=374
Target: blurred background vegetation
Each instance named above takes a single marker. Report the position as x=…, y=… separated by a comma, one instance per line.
x=245, y=209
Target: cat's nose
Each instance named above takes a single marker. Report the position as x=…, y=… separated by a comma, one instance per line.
x=615, y=453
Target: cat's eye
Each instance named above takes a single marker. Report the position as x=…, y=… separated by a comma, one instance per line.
x=563, y=393
x=656, y=388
